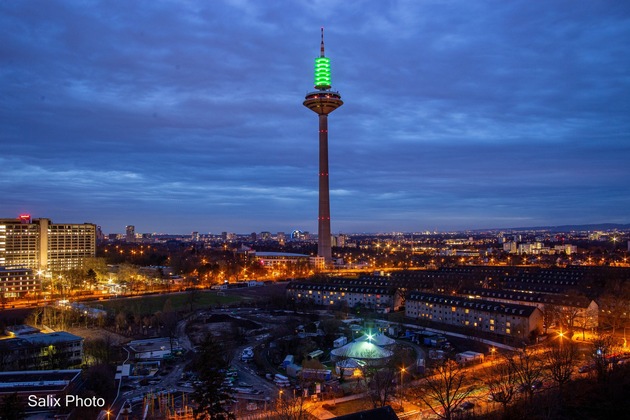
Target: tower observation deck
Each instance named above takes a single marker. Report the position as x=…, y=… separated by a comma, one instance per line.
x=323, y=101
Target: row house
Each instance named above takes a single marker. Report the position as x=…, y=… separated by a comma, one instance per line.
x=513, y=320
x=380, y=298
x=564, y=311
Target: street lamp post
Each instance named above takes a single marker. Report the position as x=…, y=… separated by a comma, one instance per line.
x=402, y=372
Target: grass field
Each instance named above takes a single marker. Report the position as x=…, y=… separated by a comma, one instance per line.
x=349, y=407
x=178, y=302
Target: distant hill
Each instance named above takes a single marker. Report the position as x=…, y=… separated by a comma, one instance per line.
x=570, y=228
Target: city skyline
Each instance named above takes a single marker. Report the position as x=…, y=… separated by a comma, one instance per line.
x=176, y=117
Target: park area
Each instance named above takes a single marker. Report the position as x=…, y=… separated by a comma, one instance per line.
x=177, y=302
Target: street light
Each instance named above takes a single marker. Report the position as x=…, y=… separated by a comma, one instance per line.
x=561, y=336
x=402, y=372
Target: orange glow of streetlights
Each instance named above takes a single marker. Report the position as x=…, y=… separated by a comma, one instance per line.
x=561, y=336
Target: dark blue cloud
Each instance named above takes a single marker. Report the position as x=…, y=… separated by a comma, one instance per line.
x=180, y=116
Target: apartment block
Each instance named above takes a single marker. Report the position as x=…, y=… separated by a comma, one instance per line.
x=477, y=315
x=18, y=283
x=58, y=350
x=41, y=245
x=381, y=299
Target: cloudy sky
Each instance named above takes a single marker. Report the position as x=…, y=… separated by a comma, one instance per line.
x=180, y=116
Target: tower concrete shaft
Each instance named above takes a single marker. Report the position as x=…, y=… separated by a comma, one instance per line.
x=324, y=247
x=323, y=101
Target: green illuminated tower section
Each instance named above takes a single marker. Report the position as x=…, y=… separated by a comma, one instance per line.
x=323, y=101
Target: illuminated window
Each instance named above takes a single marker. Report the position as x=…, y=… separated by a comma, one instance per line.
x=492, y=322
x=467, y=310
x=507, y=331
x=453, y=309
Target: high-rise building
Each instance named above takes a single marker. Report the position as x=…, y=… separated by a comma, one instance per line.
x=323, y=101
x=42, y=245
x=130, y=233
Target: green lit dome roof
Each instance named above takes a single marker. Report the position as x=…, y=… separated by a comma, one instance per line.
x=361, y=350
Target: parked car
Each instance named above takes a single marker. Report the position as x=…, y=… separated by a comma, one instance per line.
x=586, y=368
x=466, y=405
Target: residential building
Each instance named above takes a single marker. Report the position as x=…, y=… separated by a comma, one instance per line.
x=520, y=321
x=280, y=259
x=562, y=310
x=42, y=384
x=379, y=298
x=18, y=283
x=41, y=245
x=57, y=350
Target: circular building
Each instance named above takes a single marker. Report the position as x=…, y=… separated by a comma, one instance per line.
x=380, y=340
x=364, y=351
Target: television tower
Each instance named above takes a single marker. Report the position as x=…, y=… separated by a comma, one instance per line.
x=323, y=101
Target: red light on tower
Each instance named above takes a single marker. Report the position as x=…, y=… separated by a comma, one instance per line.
x=25, y=218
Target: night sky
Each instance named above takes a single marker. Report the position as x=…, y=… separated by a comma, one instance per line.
x=180, y=116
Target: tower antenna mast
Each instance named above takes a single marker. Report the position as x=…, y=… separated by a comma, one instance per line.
x=323, y=101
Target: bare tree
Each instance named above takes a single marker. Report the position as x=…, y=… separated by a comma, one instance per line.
x=291, y=407
x=528, y=369
x=169, y=319
x=502, y=383
x=447, y=387
x=602, y=351
x=560, y=360
x=568, y=317
x=586, y=320
x=35, y=317
x=192, y=296
x=549, y=312
x=381, y=386
x=615, y=308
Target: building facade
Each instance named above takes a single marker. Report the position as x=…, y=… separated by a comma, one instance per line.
x=568, y=312
x=280, y=259
x=381, y=299
x=17, y=283
x=58, y=350
x=41, y=245
x=477, y=315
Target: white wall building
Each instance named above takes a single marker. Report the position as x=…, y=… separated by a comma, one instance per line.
x=475, y=314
